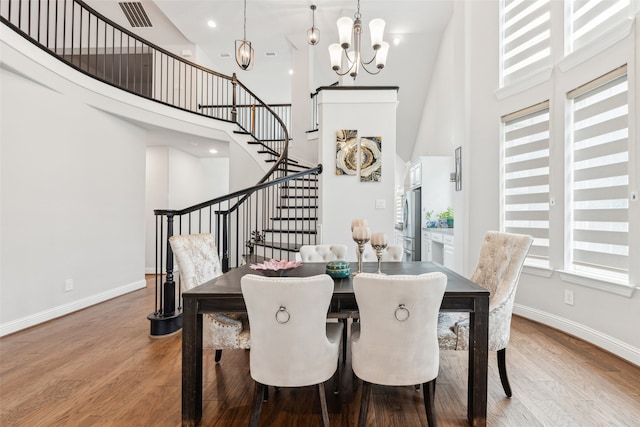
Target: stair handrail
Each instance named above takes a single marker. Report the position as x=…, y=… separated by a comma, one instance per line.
x=242, y=192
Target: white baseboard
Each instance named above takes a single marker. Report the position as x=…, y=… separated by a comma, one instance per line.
x=61, y=310
x=585, y=333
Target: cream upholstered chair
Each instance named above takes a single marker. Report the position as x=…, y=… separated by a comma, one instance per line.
x=326, y=253
x=292, y=345
x=501, y=258
x=392, y=253
x=322, y=253
x=396, y=342
x=198, y=262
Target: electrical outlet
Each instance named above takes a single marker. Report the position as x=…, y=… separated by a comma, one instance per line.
x=568, y=297
x=68, y=285
x=380, y=204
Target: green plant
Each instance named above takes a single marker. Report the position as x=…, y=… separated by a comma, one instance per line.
x=428, y=215
x=447, y=214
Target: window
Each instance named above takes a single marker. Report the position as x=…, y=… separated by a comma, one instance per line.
x=525, y=38
x=599, y=177
x=525, y=158
x=589, y=19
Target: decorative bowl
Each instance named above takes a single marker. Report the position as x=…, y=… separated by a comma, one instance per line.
x=338, y=269
x=275, y=268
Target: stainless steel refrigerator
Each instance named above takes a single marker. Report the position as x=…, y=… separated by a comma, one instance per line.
x=412, y=224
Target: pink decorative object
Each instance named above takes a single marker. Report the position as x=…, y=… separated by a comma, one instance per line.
x=275, y=267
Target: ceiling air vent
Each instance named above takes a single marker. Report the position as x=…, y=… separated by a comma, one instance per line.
x=269, y=54
x=136, y=14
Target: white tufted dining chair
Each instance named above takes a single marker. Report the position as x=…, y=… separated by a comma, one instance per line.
x=396, y=341
x=392, y=253
x=292, y=345
x=322, y=253
x=326, y=253
x=501, y=259
x=198, y=262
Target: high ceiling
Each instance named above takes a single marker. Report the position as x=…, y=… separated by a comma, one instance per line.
x=277, y=28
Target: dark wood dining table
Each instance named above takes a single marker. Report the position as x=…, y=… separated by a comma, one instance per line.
x=223, y=294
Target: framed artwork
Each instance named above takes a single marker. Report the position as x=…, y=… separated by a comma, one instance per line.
x=458, y=159
x=346, y=152
x=370, y=159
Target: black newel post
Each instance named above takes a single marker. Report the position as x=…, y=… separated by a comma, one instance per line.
x=166, y=319
x=225, y=243
x=234, y=110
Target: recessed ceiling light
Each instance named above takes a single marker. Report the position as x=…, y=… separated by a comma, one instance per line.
x=212, y=24
x=213, y=151
x=290, y=72
x=396, y=40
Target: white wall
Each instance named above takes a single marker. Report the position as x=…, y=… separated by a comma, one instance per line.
x=598, y=316
x=344, y=198
x=177, y=180
x=72, y=204
x=73, y=184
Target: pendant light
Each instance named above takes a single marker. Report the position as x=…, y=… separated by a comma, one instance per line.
x=244, y=50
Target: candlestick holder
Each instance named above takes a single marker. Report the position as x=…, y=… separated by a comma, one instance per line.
x=361, y=243
x=379, y=249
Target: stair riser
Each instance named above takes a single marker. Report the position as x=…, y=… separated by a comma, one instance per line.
x=293, y=224
x=297, y=212
x=298, y=202
x=300, y=191
x=298, y=239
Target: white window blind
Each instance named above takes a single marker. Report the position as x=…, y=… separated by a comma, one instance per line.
x=525, y=203
x=525, y=38
x=599, y=174
x=589, y=19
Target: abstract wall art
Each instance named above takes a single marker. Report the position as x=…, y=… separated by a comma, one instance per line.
x=371, y=159
x=346, y=152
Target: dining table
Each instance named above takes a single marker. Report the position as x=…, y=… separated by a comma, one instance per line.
x=223, y=294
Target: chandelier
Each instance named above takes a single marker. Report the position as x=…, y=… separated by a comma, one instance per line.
x=348, y=29
x=244, y=50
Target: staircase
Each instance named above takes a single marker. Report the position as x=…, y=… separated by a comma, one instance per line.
x=295, y=220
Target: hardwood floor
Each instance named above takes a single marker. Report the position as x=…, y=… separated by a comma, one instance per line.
x=99, y=367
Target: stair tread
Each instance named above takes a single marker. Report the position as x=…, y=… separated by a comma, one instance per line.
x=273, y=230
x=291, y=247
x=294, y=218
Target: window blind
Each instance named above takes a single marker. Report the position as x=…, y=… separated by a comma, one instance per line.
x=599, y=174
x=525, y=38
x=525, y=203
x=589, y=19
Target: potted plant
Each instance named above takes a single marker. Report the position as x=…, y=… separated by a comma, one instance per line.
x=446, y=218
x=431, y=223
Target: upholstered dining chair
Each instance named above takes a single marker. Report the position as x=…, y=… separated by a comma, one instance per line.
x=396, y=341
x=392, y=253
x=292, y=345
x=198, y=262
x=501, y=259
x=322, y=253
x=326, y=253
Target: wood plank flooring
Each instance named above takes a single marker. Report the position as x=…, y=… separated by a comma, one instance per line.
x=99, y=367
